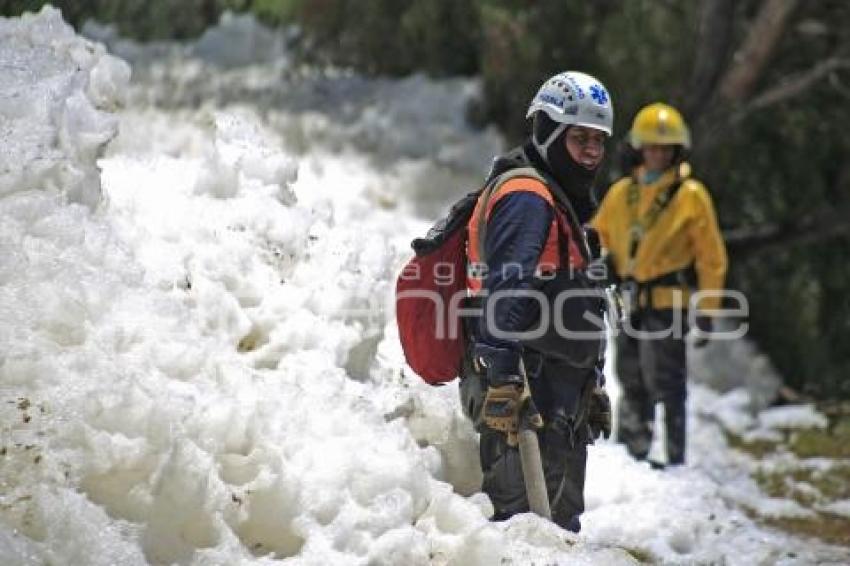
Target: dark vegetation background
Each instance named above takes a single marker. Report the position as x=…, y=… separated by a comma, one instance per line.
x=765, y=85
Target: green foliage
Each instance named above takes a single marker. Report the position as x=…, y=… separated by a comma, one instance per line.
x=274, y=12
x=391, y=36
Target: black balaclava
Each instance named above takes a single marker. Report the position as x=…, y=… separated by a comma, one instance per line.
x=576, y=180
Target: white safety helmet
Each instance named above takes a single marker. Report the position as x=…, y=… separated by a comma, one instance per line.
x=572, y=98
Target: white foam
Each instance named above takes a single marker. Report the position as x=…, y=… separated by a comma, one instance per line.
x=56, y=98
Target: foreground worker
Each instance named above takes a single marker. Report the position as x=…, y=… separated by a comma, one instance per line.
x=659, y=226
x=527, y=235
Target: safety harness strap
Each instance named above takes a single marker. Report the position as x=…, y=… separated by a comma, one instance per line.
x=639, y=226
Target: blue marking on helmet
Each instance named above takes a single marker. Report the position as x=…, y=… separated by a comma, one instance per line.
x=598, y=94
x=551, y=99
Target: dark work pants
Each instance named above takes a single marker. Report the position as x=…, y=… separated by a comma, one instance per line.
x=650, y=371
x=557, y=390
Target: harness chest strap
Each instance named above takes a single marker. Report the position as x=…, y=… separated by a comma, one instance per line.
x=640, y=226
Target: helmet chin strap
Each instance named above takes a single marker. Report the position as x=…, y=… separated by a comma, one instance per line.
x=543, y=148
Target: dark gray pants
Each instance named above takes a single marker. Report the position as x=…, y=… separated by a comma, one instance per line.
x=557, y=392
x=652, y=371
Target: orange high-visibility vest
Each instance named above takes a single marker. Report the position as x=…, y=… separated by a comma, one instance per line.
x=551, y=256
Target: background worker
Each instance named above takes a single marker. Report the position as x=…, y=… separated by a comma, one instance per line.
x=660, y=230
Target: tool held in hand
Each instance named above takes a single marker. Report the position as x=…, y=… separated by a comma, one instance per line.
x=528, y=422
x=509, y=408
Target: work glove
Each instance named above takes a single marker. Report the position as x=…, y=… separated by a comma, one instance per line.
x=508, y=404
x=599, y=413
x=704, y=327
x=508, y=400
x=501, y=406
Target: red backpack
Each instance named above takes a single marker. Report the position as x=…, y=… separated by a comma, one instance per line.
x=427, y=293
x=430, y=288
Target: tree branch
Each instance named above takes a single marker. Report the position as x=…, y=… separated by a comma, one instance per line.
x=751, y=59
x=839, y=86
x=797, y=84
x=822, y=225
x=786, y=89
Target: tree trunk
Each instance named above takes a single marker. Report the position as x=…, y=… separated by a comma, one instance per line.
x=742, y=74
x=714, y=41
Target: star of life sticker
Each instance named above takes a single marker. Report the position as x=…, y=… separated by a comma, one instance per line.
x=598, y=94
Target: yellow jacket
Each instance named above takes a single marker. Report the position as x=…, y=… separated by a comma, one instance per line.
x=685, y=233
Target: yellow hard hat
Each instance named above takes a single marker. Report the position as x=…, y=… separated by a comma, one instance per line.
x=659, y=123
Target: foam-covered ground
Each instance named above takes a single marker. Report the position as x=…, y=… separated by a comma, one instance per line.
x=198, y=361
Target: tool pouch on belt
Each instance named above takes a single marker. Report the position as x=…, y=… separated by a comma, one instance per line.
x=599, y=413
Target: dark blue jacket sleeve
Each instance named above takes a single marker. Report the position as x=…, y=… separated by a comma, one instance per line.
x=516, y=234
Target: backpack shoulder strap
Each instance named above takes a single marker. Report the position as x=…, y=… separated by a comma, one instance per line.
x=557, y=193
x=491, y=188
x=572, y=218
